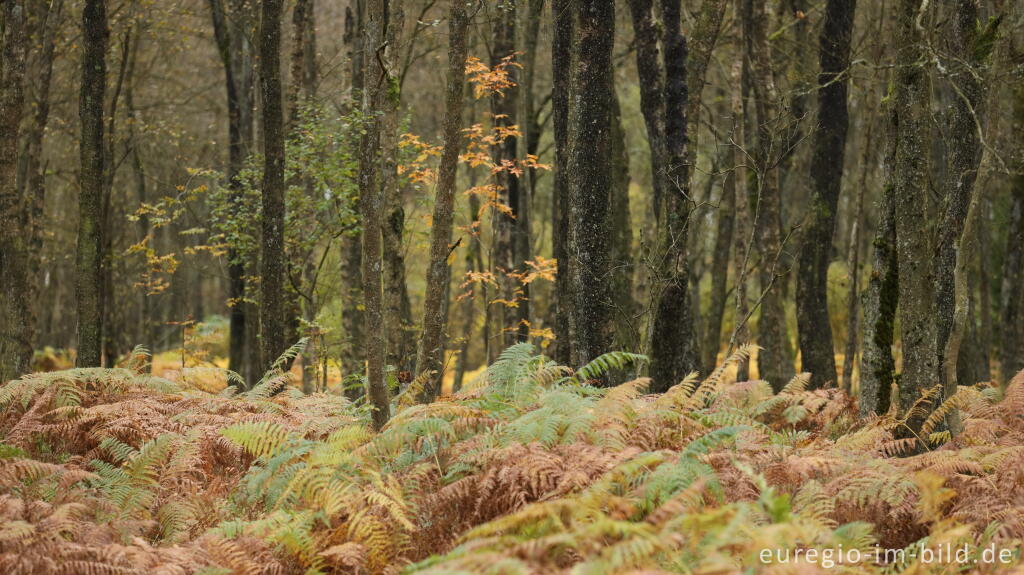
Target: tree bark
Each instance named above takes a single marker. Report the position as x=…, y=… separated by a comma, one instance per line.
x=719, y=272
x=561, y=66
x=504, y=106
x=235, y=54
x=626, y=336
x=589, y=171
x=88, y=263
x=273, y=300
x=814, y=327
x=15, y=244
x=430, y=357
x=401, y=346
x=379, y=86
x=877, y=365
x=917, y=274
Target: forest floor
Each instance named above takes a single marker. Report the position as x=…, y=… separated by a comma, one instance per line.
x=527, y=470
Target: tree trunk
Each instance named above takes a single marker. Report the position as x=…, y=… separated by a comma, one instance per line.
x=814, y=327
x=877, y=366
x=379, y=82
x=235, y=54
x=430, y=357
x=589, y=171
x=504, y=106
x=273, y=300
x=719, y=272
x=774, y=360
x=15, y=243
x=621, y=267
x=964, y=156
x=89, y=264
x=917, y=274
x=401, y=346
x=743, y=235
x=672, y=338
x=561, y=66
x=352, y=358
x=1011, y=332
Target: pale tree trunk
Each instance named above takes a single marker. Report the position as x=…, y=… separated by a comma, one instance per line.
x=16, y=308
x=134, y=151
x=724, y=227
x=379, y=81
x=401, y=347
x=814, y=327
x=88, y=263
x=430, y=357
x=273, y=299
x=589, y=171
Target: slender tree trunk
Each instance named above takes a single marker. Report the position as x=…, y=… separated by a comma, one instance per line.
x=877, y=365
x=964, y=156
x=379, y=82
x=88, y=264
x=743, y=234
x=719, y=272
x=352, y=358
x=917, y=274
x=145, y=331
x=504, y=106
x=589, y=171
x=430, y=357
x=530, y=131
x=853, y=265
x=273, y=300
x=561, y=65
x=45, y=22
x=774, y=360
x=16, y=306
x=397, y=310
x=621, y=266
x=814, y=327
x=234, y=50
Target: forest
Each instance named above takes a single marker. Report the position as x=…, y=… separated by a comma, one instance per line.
x=511, y=286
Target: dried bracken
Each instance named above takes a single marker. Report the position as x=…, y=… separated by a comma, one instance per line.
x=530, y=470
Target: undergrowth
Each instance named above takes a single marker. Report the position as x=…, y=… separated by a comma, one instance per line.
x=528, y=470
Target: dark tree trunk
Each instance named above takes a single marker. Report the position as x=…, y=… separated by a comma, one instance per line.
x=719, y=272
x=917, y=274
x=15, y=209
x=430, y=357
x=561, y=65
x=504, y=106
x=672, y=338
x=1011, y=333
x=814, y=327
x=589, y=171
x=144, y=334
x=273, y=300
x=89, y=264
x=235, y=54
